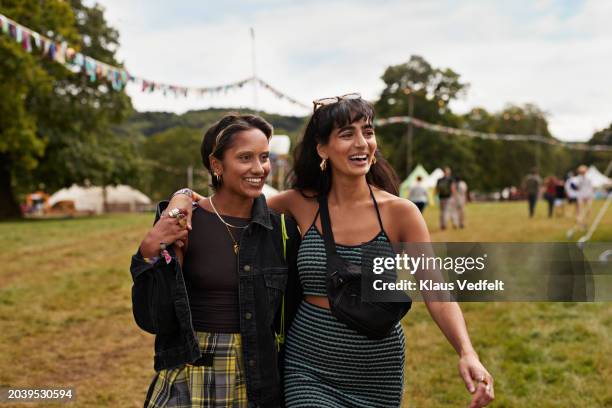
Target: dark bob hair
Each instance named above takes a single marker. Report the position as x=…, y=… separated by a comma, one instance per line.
x=307, y=174
x=220, y=136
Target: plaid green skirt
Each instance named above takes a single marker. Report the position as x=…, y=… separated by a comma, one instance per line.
x=218, y=382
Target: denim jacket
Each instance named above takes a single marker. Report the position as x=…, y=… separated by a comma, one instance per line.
x=161, y=305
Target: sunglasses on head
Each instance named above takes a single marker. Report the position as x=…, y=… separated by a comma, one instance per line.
x=333, y=99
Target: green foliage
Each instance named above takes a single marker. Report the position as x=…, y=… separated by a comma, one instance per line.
x=420, y=90
x=600, y=159
x=167, y=156
x=504, y=163
x=57, y=127
x=150, y=123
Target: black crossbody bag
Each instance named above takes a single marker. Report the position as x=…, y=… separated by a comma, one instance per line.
x=373, y=319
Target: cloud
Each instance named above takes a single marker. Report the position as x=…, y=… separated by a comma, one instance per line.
x=555, y=54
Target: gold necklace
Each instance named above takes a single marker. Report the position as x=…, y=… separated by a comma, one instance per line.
x=227, y=226
x=220, y=217
x=236, y=245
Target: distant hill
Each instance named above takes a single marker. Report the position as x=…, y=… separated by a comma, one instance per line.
x=151, y=123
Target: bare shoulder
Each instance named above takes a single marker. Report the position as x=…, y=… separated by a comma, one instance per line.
x=396, y=206
x=402, y=218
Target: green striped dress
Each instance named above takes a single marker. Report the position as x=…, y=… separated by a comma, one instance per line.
x=327, y=364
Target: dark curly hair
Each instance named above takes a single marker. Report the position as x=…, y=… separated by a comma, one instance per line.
x=220, y=136
x=306, y=173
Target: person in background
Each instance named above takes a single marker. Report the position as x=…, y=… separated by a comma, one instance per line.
x=418, y=194
x=560, y=199
x=444, y=189
x=531, y=185
x=458, y=200
x=571, y=190
x=550, y=193
x=584, y=197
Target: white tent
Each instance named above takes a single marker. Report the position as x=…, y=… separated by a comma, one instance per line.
x=433, y=178
x=91, y=199
x=597, y=179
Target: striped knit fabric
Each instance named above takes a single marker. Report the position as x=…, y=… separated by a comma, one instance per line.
x=329, y=365
x=221, y=385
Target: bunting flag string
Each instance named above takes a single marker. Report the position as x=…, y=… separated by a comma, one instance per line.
x=153, y=86
x=60, y=52
x=491, y=136
x=280, y=95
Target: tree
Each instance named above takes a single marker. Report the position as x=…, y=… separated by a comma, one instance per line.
x=417, y=88
x=602, y=137
x=601, y=159
x=167, y=156
x=56, y=126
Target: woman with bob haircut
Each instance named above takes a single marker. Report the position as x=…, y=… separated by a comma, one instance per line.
x=327, y=363
x=213, y=298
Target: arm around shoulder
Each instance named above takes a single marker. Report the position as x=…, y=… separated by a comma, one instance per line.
x=286, y=202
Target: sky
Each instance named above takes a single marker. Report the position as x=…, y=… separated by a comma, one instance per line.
x=554, y=53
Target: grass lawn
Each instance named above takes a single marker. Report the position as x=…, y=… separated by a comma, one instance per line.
x=66, y=319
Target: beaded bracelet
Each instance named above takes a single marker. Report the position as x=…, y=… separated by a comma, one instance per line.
x=164, y=252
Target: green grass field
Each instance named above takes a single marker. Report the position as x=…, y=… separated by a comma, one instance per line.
x=66, y=319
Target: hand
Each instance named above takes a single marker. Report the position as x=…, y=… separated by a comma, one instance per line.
x=477, y=380
x=167, y=230
x=184, y=202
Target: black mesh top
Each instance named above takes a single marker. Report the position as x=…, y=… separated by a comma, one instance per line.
x=210, y=270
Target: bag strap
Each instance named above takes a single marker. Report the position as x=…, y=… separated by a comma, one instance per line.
x=328, y=235
x=279, y=338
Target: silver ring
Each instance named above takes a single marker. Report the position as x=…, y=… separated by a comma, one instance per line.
x=174, y=213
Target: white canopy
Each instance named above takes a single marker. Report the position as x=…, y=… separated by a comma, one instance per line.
x=91, y=198
x=597, y=179
x=433, y=178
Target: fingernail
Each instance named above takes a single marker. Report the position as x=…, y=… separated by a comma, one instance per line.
x=471, y=388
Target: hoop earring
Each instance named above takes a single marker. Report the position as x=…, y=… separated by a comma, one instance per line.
x=218, y=177
x=373, y=161
x=323, y=164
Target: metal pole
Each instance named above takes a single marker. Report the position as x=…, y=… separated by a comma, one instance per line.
x=190, y=177
x=537, y=144
x=255, y=84
x=409, y=135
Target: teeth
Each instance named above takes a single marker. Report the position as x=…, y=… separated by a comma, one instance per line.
x=253, y=180
x=358, y=157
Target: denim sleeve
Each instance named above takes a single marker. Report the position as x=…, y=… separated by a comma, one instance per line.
x=139, y=265
x=145, y=283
